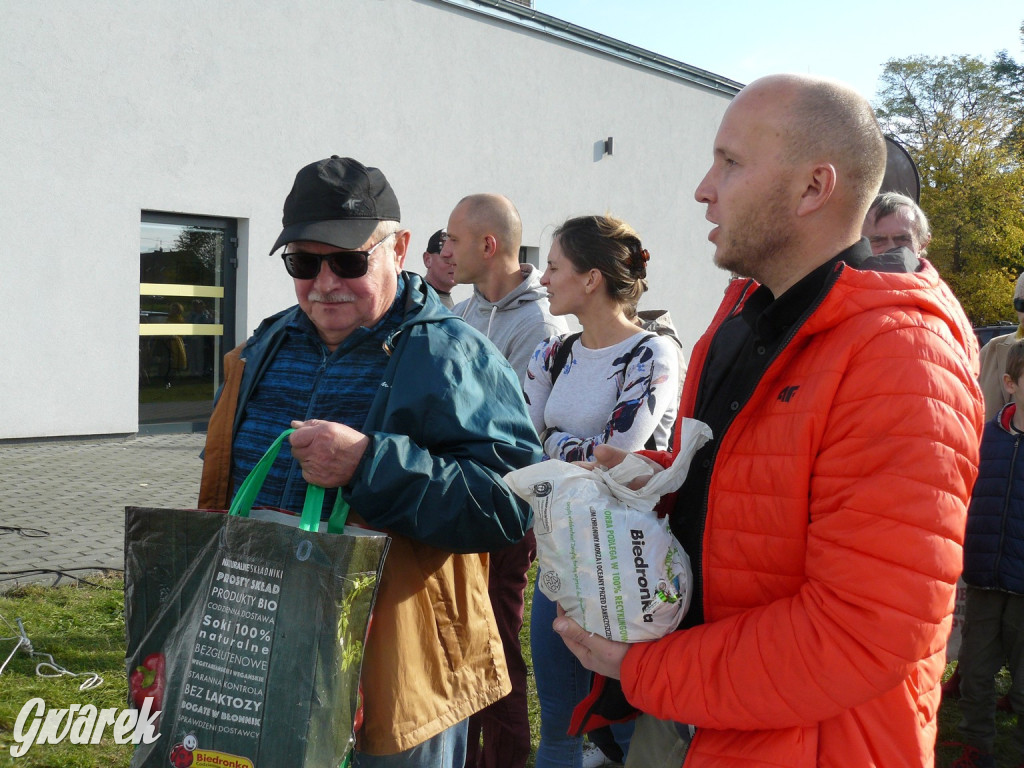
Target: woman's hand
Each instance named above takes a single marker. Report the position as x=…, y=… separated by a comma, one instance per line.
x=607, y=457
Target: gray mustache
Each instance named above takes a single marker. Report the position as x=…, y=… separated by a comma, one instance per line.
x=335, y=297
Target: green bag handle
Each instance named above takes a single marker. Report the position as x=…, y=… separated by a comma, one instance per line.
x=241, y=505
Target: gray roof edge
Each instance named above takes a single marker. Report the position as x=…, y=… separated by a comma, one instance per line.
x=542, y=22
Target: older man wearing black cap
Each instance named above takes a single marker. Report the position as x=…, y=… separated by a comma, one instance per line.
x=414, y=418
x=440, y=274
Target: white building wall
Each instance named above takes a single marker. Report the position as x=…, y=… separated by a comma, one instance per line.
x=109, y=108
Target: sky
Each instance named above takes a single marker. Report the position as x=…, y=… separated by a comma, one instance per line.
x=745, y=39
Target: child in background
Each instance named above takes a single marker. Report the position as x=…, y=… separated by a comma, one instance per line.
x=994, y=574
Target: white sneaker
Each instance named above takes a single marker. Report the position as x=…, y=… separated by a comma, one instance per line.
x=593, y=757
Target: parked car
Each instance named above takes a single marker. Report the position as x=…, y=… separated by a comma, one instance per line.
x=986, y=333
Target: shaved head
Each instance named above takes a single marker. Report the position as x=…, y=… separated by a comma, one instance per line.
x=489, y=214
x=797, y=161
x=828, y=121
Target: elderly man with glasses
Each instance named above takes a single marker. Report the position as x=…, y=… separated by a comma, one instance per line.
x=414, y=418
x=896, y=221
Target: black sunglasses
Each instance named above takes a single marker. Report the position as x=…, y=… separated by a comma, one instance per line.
x=1018, y=305
x=345, y=264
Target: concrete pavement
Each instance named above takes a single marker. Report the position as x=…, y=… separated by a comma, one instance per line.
x=62, y=502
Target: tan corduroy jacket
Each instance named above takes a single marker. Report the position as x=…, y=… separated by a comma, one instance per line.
x=993, y=366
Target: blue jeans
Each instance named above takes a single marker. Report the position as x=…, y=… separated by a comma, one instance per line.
x=446, y=750
x=562, y=683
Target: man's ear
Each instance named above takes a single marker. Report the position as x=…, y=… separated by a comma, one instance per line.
x=821, y=183
x=1009, y=385
x=402, y=238
x=490, y=246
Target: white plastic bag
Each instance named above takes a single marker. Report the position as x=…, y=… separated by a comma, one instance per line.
x=603, y=553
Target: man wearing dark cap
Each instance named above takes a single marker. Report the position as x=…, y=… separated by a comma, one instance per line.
x=414, y=418
x=440, y=274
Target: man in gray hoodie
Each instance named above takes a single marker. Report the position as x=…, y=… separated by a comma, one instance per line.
x=511, y=308
x=508, y=304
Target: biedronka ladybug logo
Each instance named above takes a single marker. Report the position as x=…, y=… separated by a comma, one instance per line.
x=187, y=754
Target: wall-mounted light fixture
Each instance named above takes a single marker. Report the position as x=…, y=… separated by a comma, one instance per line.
x=608, y=145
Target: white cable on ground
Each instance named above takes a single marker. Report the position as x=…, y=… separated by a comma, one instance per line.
x=49, y=668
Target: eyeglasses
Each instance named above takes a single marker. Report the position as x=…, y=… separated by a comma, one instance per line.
x=1018, y=305
x=345, y=264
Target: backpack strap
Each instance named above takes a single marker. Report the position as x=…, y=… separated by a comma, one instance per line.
x=562, y=355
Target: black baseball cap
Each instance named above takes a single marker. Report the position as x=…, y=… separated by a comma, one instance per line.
x=436, y=242
x=337, y=201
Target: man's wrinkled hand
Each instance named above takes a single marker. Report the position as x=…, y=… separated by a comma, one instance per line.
x=327, y=452
x=595, y=652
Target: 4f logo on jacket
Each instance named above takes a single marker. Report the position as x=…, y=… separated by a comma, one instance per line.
x=787, y=393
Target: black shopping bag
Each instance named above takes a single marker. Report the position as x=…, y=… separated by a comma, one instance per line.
x=248, y=633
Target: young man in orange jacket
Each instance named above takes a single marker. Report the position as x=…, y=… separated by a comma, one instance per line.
x=826, y=517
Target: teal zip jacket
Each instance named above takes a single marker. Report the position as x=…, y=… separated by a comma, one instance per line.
x=447, y=423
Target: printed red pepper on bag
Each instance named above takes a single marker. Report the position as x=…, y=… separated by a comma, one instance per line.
x=147, y=681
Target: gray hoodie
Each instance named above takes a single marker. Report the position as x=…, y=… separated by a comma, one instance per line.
x=517, y=322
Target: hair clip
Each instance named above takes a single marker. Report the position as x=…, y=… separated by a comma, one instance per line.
x=638, y=262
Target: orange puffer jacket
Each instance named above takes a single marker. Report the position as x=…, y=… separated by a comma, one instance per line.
x=833, y=538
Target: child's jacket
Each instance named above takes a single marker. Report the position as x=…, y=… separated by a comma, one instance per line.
x=994, y=545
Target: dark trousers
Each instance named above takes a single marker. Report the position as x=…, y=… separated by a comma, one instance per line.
x=505, y=724
x=993, y=632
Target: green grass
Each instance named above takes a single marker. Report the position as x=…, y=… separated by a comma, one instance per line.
x=83, y=628
x=531, y=682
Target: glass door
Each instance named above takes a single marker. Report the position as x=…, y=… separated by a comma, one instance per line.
x=186, y=318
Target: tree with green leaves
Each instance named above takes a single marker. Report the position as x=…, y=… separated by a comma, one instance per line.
x=960, y=119
x=1010, y=76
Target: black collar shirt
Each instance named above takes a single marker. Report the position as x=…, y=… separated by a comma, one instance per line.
x=739, y=354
